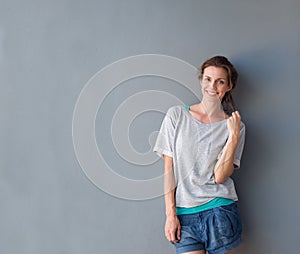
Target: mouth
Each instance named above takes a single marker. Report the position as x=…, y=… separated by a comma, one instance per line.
x=211, y=93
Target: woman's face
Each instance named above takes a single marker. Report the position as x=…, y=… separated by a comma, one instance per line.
x=214, y=82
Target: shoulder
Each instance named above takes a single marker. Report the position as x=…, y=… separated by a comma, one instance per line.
x=175, y=111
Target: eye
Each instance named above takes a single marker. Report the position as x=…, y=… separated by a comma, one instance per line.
x=221, y=82
x=207, y=79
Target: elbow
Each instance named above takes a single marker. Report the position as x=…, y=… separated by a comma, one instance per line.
x=221, y=175
x=219, y=179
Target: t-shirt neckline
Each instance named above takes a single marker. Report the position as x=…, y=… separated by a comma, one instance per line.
x=187, y=109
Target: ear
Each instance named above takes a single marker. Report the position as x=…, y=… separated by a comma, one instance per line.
x=229, y=88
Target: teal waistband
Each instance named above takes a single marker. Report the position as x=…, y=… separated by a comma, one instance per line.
x=209, y=205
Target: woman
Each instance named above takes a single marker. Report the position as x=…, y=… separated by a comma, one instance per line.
x=201, y=146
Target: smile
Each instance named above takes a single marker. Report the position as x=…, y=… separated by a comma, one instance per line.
x=211, y=93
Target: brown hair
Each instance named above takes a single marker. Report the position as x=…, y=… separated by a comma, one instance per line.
x=223, y=62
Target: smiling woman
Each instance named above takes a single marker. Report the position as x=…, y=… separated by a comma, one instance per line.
x=214, y=82
x=199, y=194
x=229, y=75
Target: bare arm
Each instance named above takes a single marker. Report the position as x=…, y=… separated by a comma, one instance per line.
x=224, y=167
x=172, y=226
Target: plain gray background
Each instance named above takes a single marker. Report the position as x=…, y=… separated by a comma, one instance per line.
x=50, y=49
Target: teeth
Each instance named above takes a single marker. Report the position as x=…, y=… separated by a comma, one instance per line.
x=211, y=93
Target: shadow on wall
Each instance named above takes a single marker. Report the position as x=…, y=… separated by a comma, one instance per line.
x=258, y=100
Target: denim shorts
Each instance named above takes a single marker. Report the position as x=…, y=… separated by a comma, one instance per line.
x=216, y=230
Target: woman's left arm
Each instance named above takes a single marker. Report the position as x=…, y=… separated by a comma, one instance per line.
x=225, y=167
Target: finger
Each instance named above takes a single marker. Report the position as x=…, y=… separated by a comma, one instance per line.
x=232, y=116
x=236, y=116
x=167, y=235
x=237, y=113
x=178, y=233
x=173, y=238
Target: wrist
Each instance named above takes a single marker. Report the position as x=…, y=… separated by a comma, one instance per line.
x=233, y=137
x=171, y=213
x=171, y=218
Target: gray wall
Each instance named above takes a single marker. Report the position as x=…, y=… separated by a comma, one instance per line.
x=50, y=49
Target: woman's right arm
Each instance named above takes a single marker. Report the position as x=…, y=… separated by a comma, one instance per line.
x=172, y=226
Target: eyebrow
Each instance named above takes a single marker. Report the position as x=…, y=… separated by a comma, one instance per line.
x=216, y=79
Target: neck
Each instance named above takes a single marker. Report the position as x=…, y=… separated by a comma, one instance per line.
x=212, y=108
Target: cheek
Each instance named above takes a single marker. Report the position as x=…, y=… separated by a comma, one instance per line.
x=201, y=85
x=222, y=92
x=224, y=89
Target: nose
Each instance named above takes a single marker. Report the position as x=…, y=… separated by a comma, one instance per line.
x=212, y=84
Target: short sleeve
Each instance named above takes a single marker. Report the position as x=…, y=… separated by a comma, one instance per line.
x=240, y=147
x=165, y=139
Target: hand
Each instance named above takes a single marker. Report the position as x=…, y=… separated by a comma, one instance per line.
x=233, y=124
x=172, y=229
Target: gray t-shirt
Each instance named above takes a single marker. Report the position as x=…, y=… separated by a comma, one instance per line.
x=195, y=148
